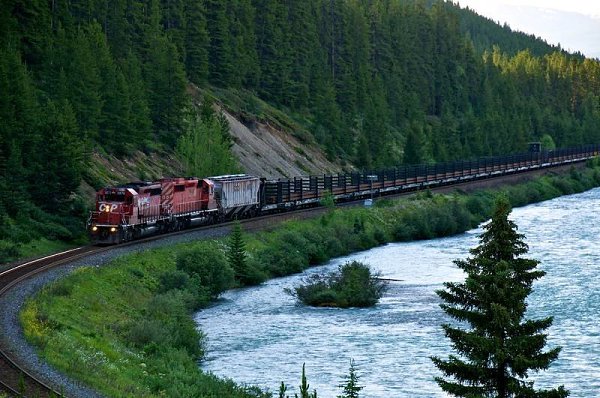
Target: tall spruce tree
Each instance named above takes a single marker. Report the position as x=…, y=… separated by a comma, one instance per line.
x=501, y=347
x=237, y=254
x=350, y=387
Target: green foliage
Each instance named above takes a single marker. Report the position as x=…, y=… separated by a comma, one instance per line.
x=353, y=285
x=350, y=386
x=547, y=142
x=126, y=329
x=208, y=263
x=245, y=273
x=376, y=83
x=204, y=148
x=328, y=200
x=304, y=386
x=501, y=346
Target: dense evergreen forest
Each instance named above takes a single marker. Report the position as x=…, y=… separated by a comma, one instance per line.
x=377, y=83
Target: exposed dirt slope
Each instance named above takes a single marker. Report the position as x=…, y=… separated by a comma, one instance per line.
x=268, y=152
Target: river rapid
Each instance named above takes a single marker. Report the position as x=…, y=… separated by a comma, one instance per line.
x=261, y=336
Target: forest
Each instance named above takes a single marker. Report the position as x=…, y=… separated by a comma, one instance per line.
x=376, y=83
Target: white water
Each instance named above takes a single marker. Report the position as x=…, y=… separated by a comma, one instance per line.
x=261, y=336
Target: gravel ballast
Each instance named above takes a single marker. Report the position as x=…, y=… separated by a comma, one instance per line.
x=11, y=333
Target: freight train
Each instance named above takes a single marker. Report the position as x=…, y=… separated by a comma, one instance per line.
x=138, y=209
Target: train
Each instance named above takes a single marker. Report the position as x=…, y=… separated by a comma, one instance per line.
x=138, y=209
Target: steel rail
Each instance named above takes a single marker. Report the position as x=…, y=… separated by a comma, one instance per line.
x=15, y=378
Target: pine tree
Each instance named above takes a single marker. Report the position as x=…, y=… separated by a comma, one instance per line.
x=242, y=30
x=60, y=160
x=272, y=48
x=221, y=65
x=351, y=387
x=304, y=386
x=237, y=254
x=196, y=42
x=501, y=347
x=165, y=77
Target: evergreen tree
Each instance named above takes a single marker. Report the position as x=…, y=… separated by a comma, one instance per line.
x=220, y=55
x=501, y=347
x=273, y=51
x=243, y=44
x=60, y=159
x=166, y=82
x=196, y=42
x=304, y=386
x=282, y=390
x=303, y=35
x=351, y=387
x=414, y=149
x=84, y=82
x=139, y=121
x=237, y=254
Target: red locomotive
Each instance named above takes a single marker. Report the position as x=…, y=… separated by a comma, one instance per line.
x=138, y=209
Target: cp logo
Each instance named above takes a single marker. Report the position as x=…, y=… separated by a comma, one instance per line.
x=107, y=207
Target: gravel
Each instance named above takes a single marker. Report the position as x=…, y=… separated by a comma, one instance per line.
x=11, y=333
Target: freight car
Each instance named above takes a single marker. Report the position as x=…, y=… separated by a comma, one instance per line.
x=137, y=209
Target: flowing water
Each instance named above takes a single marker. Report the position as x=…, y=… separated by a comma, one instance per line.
x=261, y=336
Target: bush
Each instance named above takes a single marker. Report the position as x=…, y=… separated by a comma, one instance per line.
x=167, y=324
x=353, y=285
x=173, y=279
x=210, y=265
x=8, y=251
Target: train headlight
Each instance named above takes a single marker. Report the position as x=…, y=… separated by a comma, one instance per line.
x=113, y=229
x=94, y=228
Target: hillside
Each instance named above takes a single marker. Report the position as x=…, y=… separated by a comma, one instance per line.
x=287, y=88
x=268, y=152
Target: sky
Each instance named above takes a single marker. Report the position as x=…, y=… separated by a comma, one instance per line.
x=574, y=24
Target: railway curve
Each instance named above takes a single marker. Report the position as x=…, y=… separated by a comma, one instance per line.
x=22, y=373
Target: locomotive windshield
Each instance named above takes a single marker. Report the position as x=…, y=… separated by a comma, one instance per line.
x=114, y=196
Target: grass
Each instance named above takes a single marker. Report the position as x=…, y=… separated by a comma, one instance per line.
x=114, y=329
x=125, y=329
x=41, y=247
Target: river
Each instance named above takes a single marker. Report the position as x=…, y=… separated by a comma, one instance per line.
x=261, y=336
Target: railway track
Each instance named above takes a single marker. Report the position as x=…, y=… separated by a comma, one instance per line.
x=17, y=381
x=14, y=379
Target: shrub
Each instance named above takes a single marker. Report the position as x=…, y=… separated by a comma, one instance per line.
x=353, y=285
x=173, y=279
x=210, y=265
x=8, y=251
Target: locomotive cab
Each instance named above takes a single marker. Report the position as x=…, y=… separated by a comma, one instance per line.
x=114, y=211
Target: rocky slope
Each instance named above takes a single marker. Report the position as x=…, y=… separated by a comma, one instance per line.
x=265, y=151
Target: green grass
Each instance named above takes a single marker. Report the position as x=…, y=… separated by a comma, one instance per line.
x=88, y=325
x=42, y=247
x=126, y=330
